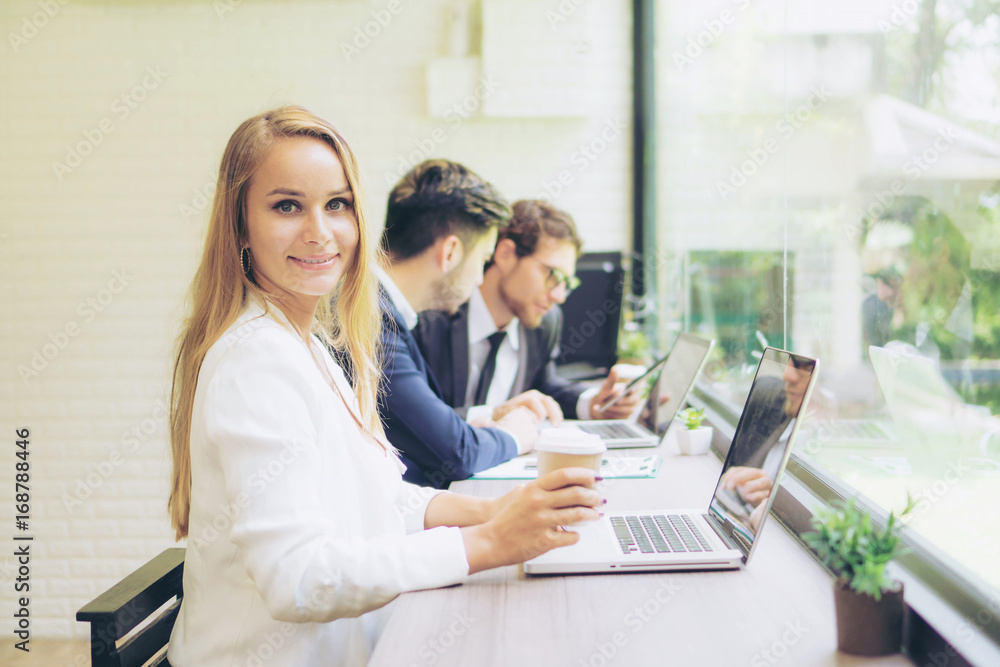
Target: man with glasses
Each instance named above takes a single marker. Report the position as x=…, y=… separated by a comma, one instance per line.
x=497, y=351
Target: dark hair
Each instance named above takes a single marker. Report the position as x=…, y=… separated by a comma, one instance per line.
x=438, y=198
x=535, y=219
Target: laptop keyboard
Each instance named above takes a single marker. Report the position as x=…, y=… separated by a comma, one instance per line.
x=658, y=534
x=856, y=430
x=611, y=431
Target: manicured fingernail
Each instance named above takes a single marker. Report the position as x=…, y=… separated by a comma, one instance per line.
x=604, y=502
x=600, y=514
x=598, y=478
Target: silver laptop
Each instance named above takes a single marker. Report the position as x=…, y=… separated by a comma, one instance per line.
x=680, y=368
x=723, y=536
x=924, y=406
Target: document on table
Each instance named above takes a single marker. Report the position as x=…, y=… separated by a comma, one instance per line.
x=616, y=467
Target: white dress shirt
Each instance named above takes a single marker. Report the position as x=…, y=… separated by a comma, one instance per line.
x=301, y=528
x=481, y=327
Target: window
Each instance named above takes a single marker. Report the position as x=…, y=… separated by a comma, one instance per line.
x=828, y=179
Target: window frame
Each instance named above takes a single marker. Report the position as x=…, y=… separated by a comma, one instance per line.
x=939, y=595
x=946, y=593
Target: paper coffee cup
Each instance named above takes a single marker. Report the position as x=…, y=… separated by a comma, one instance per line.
x=627, y=372
x=568, y=448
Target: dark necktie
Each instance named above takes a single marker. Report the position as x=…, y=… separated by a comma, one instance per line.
x=489, y=368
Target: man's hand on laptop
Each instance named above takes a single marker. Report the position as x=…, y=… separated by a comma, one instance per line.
x=522, y=423
x=623, y=407
x=753, y=484
x=542, y=406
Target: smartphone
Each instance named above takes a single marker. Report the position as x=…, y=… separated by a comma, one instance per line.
x=631, y=385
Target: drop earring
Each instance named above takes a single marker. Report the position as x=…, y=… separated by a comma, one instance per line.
x=245, y=259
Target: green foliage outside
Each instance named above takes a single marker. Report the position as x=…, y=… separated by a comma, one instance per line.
x=634, y=346
x=734, y=295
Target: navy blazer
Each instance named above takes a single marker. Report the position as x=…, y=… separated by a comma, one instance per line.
x=444, y=341
x=436, y=444
x=762, y=423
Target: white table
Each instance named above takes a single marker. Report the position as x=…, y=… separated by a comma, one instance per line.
x=779, y=610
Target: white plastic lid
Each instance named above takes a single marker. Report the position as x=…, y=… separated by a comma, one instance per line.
x=569, y=440
x=629, y=371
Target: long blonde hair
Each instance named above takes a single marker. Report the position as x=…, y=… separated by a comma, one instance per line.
x=221, y=288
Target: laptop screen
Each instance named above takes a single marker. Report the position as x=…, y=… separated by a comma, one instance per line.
x=674, y=380
x=761, y=444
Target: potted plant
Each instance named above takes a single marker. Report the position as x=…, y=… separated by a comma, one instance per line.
x=694, y=438
x=868, y=604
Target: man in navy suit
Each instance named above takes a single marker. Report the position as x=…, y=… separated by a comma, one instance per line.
x=441, y=227
x=498, y=350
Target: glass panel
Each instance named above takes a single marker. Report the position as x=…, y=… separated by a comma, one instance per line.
x=829, y=180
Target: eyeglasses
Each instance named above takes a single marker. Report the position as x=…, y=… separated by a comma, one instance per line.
x=557, y=276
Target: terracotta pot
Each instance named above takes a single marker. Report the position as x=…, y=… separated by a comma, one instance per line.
x=867, y=627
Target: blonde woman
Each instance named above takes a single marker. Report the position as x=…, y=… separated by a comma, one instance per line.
x=299, y=526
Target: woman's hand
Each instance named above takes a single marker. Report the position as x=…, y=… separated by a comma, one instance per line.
x=528, y=521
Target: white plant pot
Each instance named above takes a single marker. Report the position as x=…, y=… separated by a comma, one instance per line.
x=694, y=442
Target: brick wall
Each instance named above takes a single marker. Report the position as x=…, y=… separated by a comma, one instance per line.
x=113, y=116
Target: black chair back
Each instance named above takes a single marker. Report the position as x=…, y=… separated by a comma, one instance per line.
x=131, y=622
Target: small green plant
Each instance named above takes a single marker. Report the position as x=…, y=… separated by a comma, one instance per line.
x=692, y=417
x=856, y=551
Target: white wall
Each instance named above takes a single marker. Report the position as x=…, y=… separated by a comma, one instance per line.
x=95, y=258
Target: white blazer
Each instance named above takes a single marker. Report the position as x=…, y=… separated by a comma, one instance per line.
x=300, y=527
